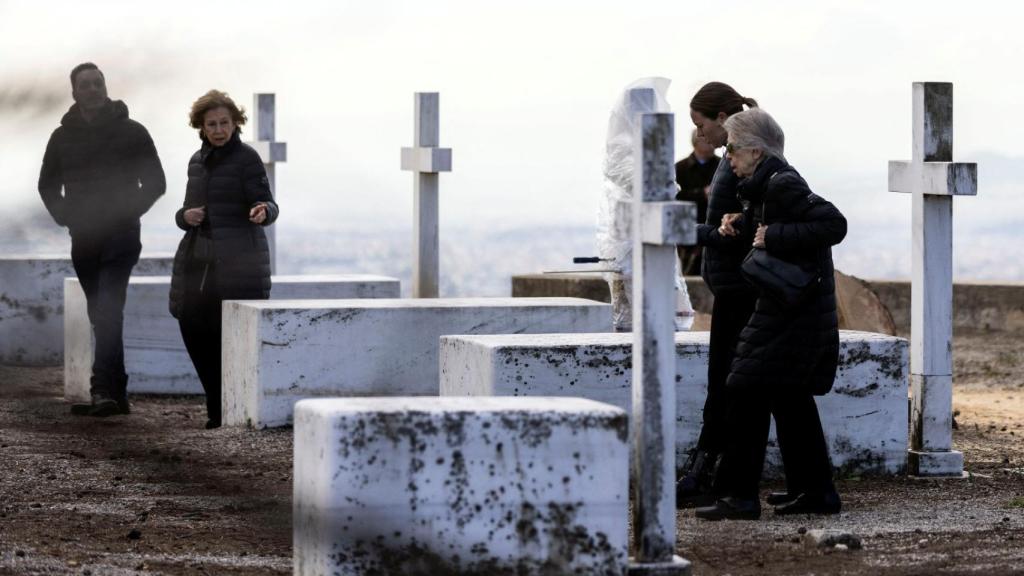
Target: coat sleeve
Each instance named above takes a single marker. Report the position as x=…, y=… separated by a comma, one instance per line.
x=707, y=235
x=51, y=181
x=152, y=182
x=808, y=221
x=256, y=187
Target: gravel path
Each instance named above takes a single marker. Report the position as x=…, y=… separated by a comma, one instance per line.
x=154, y=493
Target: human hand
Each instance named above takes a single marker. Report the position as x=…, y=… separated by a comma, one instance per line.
x=759, y=236
x=727, y=228
x=195, y=216
x=258, y=213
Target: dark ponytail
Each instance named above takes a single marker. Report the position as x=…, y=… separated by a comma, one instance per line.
x=715, y=97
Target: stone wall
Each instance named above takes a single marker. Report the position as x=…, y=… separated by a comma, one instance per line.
x=995, y=306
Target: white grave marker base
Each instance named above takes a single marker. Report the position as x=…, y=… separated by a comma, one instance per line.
x=32, y=305
x=155, y=356
x=864, y=417
x=279, y=352
x=460, y=485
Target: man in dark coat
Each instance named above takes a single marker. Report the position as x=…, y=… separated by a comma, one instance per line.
x=693, y=175
x=110, y=174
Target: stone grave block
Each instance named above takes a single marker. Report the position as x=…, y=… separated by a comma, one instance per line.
x=864, y=416
x=32, y=305
x=155, y=356
x=460, y=486
x=279, y=352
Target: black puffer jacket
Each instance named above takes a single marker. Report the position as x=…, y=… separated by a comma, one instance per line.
x=720, y=265
x=108, y=168
x=228, y=180
x=796, y=348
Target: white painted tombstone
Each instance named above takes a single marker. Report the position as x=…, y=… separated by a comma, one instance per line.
x=155, y=356
x=933, y=179
x=278, y=352
x=659, y=224
x=271, y=152
x=32, y=304
x=864, y=417
x=459, y=486
x=426, y=160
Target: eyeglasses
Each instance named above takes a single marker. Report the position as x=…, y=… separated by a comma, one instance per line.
x=731, y=148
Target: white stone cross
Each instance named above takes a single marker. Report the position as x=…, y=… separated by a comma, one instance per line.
x=271, y=152
x=933, y=179
x=426, y=160
x=659, y=224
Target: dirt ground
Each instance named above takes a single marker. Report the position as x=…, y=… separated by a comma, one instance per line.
x=154, y=493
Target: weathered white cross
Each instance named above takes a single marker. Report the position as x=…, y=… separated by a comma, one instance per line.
x=426, y=160
x=271, y=152
x=659, y=224
x=933, y=179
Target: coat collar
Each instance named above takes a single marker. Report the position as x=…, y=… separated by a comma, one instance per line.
x=753, y=188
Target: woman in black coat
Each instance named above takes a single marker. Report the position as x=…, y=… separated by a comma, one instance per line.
x=734, y=301
x=224, y=254
x=785, y=354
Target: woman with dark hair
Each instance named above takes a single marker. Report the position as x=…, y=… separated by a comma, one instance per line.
x=224, y=254
x=734, y=300
x=788, y=352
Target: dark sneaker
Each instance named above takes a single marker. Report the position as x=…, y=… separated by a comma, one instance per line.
x=211, y=424
x=103, y=406
x=806, y=503
x=123, y=406
x=731, y=508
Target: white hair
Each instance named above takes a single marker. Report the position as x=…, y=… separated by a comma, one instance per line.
x=755, y=128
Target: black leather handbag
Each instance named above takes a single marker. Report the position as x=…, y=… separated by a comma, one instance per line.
x=787, y=283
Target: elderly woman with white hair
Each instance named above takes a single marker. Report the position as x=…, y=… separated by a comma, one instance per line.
x=788, y=352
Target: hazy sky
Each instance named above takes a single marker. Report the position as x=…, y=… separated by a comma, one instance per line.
x=526, y=88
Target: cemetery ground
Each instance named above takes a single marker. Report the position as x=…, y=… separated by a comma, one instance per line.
x=155, y=493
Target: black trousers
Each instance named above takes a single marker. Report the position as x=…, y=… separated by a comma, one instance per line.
x=805, y=457
x=729, y=315
x=103, y=264
x=200, y=323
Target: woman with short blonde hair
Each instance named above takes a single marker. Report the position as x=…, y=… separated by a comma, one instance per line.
x=224, y=254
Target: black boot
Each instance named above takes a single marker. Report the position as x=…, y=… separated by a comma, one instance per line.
x=694, y=488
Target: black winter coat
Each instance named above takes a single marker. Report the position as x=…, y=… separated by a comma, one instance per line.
x=720, y=265
x=108, y=168
x=795, y=348
x=228, y=180
x=693, y=177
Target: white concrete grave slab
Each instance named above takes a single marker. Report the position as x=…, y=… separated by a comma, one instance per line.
x=864, y=417
x=460, y=486
x=279, y=352
x=155, y=356
x=32, y=304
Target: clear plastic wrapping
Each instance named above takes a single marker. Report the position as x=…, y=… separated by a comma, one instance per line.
x=614, y=235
